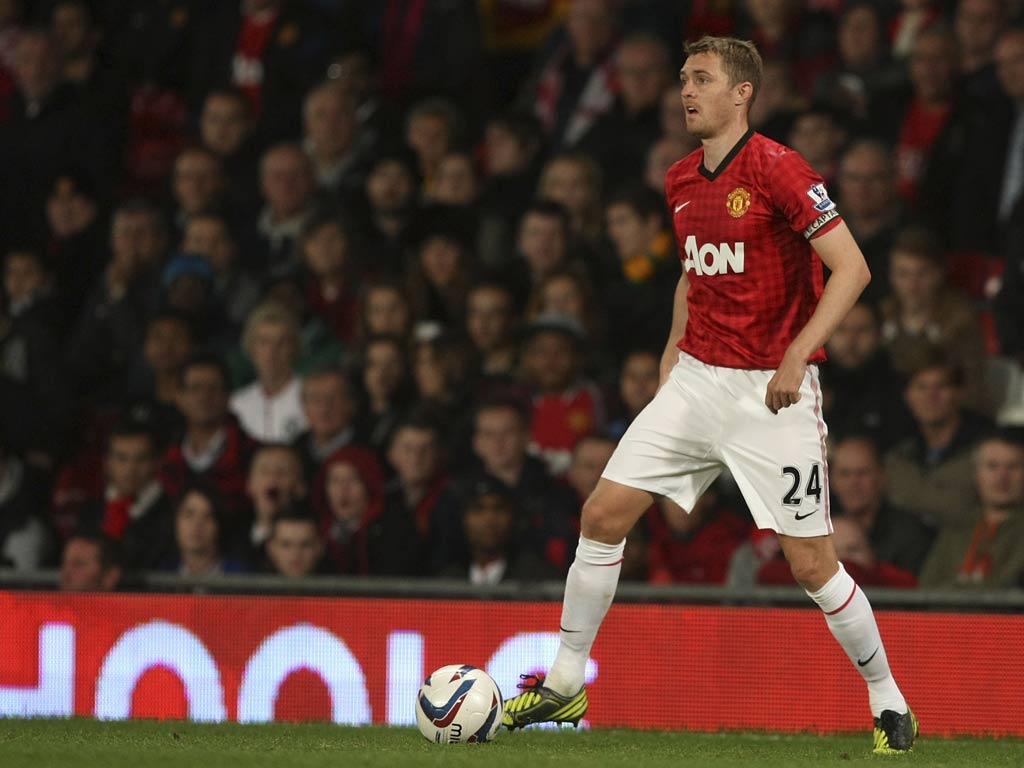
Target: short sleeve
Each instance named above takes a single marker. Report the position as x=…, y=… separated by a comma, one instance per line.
x=800, y=194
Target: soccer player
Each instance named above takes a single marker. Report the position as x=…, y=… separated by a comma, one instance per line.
x=741, y=391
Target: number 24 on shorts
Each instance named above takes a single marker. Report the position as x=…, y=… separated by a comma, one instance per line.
x=813, y=487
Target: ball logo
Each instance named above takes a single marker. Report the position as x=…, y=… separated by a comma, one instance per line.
x=737, y=202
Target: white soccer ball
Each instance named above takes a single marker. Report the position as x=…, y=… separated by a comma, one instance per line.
x=459, y=704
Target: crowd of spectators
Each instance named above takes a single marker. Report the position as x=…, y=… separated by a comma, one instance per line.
x=335, y=287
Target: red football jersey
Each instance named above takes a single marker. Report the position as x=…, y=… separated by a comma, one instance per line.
x=743, y=234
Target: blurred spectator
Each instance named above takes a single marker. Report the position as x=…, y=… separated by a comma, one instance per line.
x=864, y=79
x=432, y=131
x=783, y=29
x=74, y=246
x=511, y=148
x=777, y=101
x=416, y=455
x=637, y=386
x=25, y=539
x=338, y=145
x=167, y=345
x=442, y=268
x=923, y=310
x=694, y=547
x=1009, y=60
x=662, y=155
x=913, y=19
x=271, y=407
x=855, y=552
x=212, y=448
x=198, y=184
x=493, y=553
x=456, y=182
x=226, y=128
x=235, y=287
x=275, y=484
x=329, y=404
x=105, y=344
x=199, y=535
x=364, y=536
x=933, y=77
x=429, y=48
x=589, y=458
x=12, y=16
x=135, y=509
x=384, y=309
x=858, y=482
x=35, y=405
x=387, y=383
x=90, y=563
x=1008, y=309
x=329, y=251
x=443, y=369
x=566, y=405
x=621, y=137
x=818, y=132
x=930, y=473
x=871, y=209
x=989, y=551
x=295, y=547
x=542, y=245
x=501, y=434
x=491, y=325
x=861, y=392
x=569, y=291
x=77, y=35
x=575, y=82
x=288, y=188
x=574, y=181
x=640, y=296
x=187, y=287
x=391, y=191
x=270, y=49
x=962, y=193
x=47, y=130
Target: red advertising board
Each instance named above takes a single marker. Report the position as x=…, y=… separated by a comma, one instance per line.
x=346, y=660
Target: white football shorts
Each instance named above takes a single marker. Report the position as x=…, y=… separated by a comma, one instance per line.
x=707, y=418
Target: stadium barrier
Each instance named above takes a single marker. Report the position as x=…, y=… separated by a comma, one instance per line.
x=660, y=665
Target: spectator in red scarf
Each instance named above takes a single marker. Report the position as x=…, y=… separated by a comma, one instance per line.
x=361, y=538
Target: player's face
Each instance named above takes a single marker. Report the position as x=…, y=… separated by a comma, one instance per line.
x=708, y=99
x=1000, y=474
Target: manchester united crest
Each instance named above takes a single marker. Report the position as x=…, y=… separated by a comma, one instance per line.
x=737, y=202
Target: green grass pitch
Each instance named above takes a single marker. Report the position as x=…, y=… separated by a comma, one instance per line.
x=147, y=744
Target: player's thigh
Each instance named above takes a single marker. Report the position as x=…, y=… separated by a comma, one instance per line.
x=669, y=450
x=779, y=461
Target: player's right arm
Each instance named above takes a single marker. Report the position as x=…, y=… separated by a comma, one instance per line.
x=679, y=314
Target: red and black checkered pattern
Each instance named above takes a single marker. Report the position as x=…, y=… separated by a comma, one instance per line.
x=743, y=234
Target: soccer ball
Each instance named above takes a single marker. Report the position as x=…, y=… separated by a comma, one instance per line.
x=459, y=704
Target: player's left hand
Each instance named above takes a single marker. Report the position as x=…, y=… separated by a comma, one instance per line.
x=784, y=387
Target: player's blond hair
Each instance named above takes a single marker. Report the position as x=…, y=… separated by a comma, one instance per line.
x=740, y=60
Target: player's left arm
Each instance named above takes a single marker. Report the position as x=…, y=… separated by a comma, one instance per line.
x=850, y=275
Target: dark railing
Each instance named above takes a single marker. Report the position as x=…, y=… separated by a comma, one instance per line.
x=967, y=600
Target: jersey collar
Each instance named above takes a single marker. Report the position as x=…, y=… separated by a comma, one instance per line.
x=711, y=176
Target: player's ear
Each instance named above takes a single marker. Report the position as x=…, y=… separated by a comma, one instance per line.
x=744, y=93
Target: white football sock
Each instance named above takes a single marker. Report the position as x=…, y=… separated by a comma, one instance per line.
x=849, y=616
x=589, y=590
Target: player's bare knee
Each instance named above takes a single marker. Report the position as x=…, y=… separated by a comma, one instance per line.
x=604, y=522
x=810, y=573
